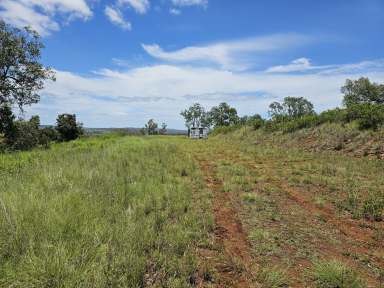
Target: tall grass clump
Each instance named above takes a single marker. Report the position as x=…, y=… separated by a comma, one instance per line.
x=334, y=274
x=99, y=212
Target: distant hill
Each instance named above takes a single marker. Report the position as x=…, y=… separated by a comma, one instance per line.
x=129, y=130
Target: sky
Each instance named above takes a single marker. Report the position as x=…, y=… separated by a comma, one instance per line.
x=119, y=63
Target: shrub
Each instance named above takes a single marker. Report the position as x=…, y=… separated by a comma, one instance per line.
x=224, y=129
x=332, y=274
x=368, y=116
x=47, y=135
x=300, y=123
x=257, y=123
x=334, y=115
x=24, y=135
x=67, y=127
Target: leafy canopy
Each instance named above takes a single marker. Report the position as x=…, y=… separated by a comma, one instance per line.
x=151, y=127
x=292, y=107
x=21, y=73
x=195, y=116
x=362, y=91
x=67, y=127
x=223, y=115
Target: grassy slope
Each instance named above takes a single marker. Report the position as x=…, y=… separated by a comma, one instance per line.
x=132, y=212
x=102, y=212
x=301, y=208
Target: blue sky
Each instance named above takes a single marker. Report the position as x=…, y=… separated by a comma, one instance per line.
x=121, y=62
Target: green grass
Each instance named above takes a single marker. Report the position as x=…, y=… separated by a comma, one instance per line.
x=334, y=274
x=101, y=212
x=272, y=277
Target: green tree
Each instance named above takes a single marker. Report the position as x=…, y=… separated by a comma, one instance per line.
x=6, y=120
x=362, y=91
x=276, y=110
x=292, y=107
x=67, y=127
x=21, y=73
x=223, y=115
x=151, y=127
x=24, y=135
x=195, y=116
x=163, y=129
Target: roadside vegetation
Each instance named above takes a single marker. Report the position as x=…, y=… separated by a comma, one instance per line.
x=102, y=212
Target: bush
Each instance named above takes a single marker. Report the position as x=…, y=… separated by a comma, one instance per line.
x=334, y=115
x=257, y=123
x=368, y=116
x=24, y=135
x=67, y=127
x=300, y=123
x=225, y=129
x=47, y=135
x=328, y=274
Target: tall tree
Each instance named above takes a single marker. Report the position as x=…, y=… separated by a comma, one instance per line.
x=67, y=127
x=21, y=73
x=6, y=120
x=223, y=115
x=292, y=107
x=163, y=129
x=362, y=91
x=151, y=127
x=195, y=116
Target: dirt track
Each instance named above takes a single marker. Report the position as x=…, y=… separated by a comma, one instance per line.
x=303, y=228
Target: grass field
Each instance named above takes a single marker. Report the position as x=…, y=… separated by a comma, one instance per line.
x=101, y=212
x=163, y=211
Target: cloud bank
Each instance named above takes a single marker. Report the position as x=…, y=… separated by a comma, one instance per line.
x=45, y=16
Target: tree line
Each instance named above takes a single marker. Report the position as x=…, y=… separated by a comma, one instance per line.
x=22, y=76
x=363, y=103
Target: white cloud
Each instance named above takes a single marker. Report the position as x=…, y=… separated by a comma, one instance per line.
x=175, y=11
x=300, y=64
x=131, y=97
x=180, y=3
x=305, y=65
x=234, y=55
x=114, y=15
x=43, y=15
x=140, y=6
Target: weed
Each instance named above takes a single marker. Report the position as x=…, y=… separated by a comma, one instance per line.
x=272, y=277
x=334, y=274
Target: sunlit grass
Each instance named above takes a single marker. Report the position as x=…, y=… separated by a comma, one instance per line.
x=102, y=212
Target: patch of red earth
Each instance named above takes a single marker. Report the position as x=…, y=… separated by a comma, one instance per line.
x=234, y=264
x=355, y=236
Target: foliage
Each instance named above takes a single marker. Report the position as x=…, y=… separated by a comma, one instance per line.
x=151, y=127
x=6, y=120
x=224, y=129
x=48, y=135
x=223, y=115
x=21, y=73
x=362, y=91
x=67, y=127
x=368, y=116
x=272, y=277
x=163, y=129
x=24, y=135
x=292, y=107
x=332, y=274
x=196, y=116
x=333, y=116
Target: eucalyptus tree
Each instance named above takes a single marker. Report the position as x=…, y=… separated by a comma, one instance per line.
x=22, y=74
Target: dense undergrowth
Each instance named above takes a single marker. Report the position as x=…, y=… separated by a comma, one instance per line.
x=101, y=212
